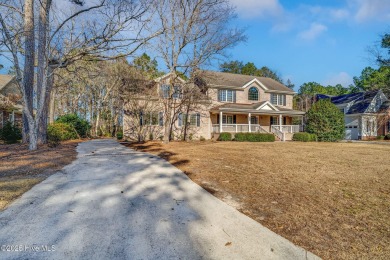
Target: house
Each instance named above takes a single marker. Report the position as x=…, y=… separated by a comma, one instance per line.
x=232, y=103
x=10, y=101
x=366, y=114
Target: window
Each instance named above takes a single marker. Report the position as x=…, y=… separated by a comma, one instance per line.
x=278, y=99
x=254, y=120
x=194, y=119
x=152, y=118
x=165, y=91
x=227, y=119
x=274, y=120
x=226, y=95
x=253, y=94
x=177, y=92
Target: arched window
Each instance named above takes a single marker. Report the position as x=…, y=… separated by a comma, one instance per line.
x=253, y=94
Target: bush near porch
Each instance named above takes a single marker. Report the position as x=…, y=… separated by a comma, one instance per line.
x=304, y=137
x=254, y=137
x=225, y=137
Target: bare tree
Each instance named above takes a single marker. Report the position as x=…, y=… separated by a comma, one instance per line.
x=114, y=29
x=194, y=31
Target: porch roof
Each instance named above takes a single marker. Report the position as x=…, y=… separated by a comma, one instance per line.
x=254, y=109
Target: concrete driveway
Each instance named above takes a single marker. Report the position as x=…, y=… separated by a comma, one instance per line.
x=116, y=203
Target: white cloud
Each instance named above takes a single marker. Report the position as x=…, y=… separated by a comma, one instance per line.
x=339, y=14
x=371, y=10
x=257, y=8
x=342, y=78
x=313, y=32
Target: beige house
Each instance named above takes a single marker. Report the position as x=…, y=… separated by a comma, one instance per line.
x=232, y=103
x=10, y=101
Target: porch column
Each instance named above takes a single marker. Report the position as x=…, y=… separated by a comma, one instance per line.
x=249, y=122
x=280, y=122
x=220, y=122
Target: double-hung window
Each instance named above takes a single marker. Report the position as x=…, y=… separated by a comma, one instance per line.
x=192, y=120
x=278, y=99
x=227, y=95
x=152, y=118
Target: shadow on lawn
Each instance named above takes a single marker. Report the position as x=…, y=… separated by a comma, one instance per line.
x=160, y=151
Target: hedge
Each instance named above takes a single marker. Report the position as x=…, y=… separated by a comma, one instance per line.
x=304, y=137
x=254, y=137
x=225, y=137
x=387, y=137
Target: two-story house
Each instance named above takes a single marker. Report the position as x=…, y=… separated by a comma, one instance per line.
x=235, y=103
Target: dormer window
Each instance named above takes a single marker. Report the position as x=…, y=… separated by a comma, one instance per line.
x=253, y=94
x=227, y=95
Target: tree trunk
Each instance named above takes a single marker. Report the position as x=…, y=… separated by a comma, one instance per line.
x=43, y=73
x=28, y=70
x=52, y=105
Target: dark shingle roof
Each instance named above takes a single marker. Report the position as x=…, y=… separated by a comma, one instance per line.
x=361, y=101
x=223, y=79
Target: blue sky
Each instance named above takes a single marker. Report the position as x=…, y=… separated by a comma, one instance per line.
x=309, y=40
x=317, y=40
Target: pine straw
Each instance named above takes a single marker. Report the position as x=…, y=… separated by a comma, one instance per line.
x=21, y=169
x=332, y=199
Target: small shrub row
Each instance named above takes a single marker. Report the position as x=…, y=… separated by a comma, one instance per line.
x=10, y=134
x=387, y=137
x=225, y=137
x=254, y=137
x=304, y=137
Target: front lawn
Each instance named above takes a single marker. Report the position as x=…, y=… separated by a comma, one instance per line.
x=333, y=199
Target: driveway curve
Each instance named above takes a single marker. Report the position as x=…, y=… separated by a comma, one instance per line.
x=116, y=203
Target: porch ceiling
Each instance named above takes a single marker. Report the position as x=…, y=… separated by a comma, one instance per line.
x=258, y=112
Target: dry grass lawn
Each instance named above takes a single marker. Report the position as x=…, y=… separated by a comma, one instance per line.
x=21, y=169
x=333, y=199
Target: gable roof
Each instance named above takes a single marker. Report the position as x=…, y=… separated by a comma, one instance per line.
x=7, y=86
x=255, y=108
x=359, y=102
x=229, y=80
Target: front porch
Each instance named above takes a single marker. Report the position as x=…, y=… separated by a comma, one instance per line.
x=280, y=125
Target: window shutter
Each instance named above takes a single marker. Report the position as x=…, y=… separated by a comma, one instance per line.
x=284, y=100
x=218, y=119
x=180, y=119
x=234, y=96
x=161, y=118
x=219, y=95
x=234, y=119
x=198, y=120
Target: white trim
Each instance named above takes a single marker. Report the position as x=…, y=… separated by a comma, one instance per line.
x=167, y=75
x=268, y=104
x=253, y=81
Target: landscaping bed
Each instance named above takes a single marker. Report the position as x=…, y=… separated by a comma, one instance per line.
x=332, y=199
x=21, y=169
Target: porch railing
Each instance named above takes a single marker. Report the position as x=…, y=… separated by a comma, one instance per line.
x=288, y=128
x=244, y=128
x=276, y=131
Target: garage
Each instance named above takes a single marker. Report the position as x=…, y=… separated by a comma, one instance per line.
x=351, y=132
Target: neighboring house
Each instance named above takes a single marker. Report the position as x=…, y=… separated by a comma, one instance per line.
x=233, y=103
x=12, y=111
x=366, y=114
